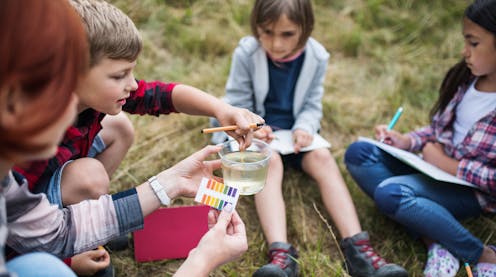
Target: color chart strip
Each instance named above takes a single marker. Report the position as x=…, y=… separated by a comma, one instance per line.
x=216, y=194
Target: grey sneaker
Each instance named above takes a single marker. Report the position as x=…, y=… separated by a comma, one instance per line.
x=106, y=272
x=363, y=261
x=283, y=261
x=119, y=243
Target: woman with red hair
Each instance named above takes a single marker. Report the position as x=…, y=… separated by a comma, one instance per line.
x=39, y=70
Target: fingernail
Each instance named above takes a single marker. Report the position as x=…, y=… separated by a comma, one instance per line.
x=228, y=207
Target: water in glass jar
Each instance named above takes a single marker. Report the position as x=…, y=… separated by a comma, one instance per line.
x=245, y=170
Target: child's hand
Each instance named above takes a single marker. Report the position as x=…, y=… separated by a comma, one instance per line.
x=90, y=262
x=301, y=139
x=265, y=133
x=230, y=115
x=392, y=137
x=433, y=153
x=184, y=178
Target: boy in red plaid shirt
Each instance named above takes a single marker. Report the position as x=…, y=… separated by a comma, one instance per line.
x=95, y=145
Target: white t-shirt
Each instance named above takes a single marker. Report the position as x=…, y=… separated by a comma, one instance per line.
x=474, y=106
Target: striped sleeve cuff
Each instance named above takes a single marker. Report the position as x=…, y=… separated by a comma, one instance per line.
x=128, y=211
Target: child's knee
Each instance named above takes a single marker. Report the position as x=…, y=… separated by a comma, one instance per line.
x=275, y=161
x=321, y=156
x=118, y=128
x=387, y=197
x=87, y=176
x=358, y=153
x=125, y=127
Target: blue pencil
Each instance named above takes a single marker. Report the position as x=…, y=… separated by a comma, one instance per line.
x=395, y=118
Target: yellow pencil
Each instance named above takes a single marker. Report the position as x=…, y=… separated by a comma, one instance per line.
x=469, y=271
x=230, y=128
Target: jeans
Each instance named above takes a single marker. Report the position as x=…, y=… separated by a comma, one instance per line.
x=39, y=264
x=426, y=207
x=54, y=192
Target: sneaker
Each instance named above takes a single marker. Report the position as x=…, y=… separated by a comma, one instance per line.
x=440, y=262
x=106, y=272
x=363, y=261
x=484, y=270
x=283, y=261
x=118, y=244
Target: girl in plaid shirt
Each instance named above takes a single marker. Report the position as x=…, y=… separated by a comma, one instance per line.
x=461, y=140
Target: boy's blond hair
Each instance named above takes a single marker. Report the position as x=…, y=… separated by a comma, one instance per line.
x=111, y=33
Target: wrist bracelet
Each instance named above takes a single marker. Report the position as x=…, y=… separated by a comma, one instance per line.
x=159, y=191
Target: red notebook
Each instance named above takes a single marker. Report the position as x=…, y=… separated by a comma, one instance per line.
x=170, y=233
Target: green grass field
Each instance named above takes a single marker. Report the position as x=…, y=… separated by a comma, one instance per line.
x=384, y=54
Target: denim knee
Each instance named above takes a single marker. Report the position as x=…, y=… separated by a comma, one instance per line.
x=388, y=197
x=38, y=264
x=358, y=153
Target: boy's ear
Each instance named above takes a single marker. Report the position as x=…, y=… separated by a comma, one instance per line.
x=11, y=105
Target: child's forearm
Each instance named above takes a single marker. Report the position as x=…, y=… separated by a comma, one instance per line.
x=193, y=101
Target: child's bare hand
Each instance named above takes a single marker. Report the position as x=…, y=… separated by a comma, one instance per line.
x=265, y=133
x=301, y=139
x=433, y=153
x=90, y=262
x=230, y=115
x=392, y=137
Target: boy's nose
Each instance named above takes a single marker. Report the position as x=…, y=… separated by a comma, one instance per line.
x=132, y=85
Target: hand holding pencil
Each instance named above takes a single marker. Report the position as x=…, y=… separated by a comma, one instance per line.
x=238, y=123
x=392, y=123
x=386, y=134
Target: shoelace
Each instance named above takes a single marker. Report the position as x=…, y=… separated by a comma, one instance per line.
x=278, y=257
x=377, y=261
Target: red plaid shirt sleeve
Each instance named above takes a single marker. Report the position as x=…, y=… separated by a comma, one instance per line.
x=153, y=98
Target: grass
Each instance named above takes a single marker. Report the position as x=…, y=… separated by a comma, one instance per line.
x=384, y=54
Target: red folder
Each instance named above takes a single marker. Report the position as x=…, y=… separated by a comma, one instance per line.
x=170, y=233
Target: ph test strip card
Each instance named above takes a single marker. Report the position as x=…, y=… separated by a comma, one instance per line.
x=216, y=194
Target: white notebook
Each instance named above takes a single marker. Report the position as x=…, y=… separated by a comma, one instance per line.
x=283, y=142
x=418, y=163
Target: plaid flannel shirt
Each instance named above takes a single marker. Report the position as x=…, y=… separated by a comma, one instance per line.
x=153, y=98
x=476, y=153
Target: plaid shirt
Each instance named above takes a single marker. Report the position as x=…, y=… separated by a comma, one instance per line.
x=476, y=153
x=152, y=98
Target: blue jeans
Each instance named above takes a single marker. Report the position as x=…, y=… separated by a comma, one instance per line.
x=39, y=264
x=426, y=207
x=54, y=193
